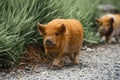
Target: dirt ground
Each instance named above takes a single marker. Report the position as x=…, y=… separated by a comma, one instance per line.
x=98, y=63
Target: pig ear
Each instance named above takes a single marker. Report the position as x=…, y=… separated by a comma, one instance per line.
x=41, y=28
x=111, y=20
x=62, y=29
x=97, y=21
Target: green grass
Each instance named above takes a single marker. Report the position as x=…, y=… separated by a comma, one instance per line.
x=18, y=19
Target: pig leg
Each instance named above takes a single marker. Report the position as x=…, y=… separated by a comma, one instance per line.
x=57, y=61
x=103, y=39
x=76, y=57
x=71, y=57
x=117, y=39
x=111, y=40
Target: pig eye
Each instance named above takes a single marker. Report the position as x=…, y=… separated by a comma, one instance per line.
x=57, y=34
x=100, y=24
x=107, y=25
x=44, y=34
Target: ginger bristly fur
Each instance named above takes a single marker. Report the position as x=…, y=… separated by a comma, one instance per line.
x=62, y=37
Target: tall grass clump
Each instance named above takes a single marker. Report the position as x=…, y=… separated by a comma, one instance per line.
x=18, y=19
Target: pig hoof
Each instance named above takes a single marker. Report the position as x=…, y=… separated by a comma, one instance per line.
x=76, y=62
x=56, y=62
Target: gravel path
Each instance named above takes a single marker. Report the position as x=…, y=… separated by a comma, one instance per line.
x=100, y=63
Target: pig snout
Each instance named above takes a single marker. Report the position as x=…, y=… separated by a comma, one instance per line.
x=49, y=43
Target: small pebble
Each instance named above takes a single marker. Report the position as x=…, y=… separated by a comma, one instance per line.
x=89, y=49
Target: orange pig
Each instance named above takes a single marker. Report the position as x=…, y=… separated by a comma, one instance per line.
x=62, y=37
x=109, y=26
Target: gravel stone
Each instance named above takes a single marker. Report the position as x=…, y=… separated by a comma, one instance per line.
x=89, y=49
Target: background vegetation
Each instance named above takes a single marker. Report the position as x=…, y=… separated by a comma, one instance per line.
x=18, y=19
